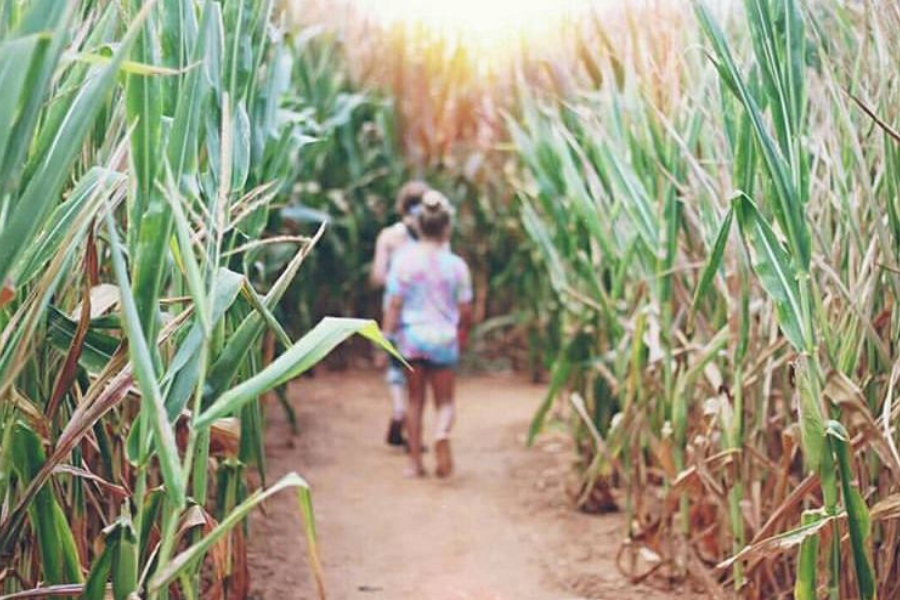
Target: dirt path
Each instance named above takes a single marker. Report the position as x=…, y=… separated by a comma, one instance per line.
x=500, y=529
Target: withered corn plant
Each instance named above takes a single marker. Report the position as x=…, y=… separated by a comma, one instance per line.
x=715, y=208
x=141, y=147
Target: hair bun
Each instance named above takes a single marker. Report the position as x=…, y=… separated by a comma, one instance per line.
x=435, y=215
x=433, y=201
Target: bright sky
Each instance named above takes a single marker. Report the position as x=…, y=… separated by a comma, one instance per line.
x=487, y=23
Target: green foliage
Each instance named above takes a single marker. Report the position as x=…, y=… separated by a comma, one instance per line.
x=143, y=147
x=717, y=341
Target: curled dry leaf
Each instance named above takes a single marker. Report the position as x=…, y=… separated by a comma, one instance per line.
x=847, y=395
x=225, y=437
x=772, y=546
x=116, y=491
x=886, y=508
x=7, y=292
x=104, y=297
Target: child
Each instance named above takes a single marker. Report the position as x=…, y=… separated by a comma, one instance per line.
x=390, y=240
x=428, y=308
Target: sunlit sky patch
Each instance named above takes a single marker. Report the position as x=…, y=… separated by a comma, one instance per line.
x=487, y=24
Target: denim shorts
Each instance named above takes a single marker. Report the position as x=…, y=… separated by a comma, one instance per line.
x=396, y=374
x=432, y=364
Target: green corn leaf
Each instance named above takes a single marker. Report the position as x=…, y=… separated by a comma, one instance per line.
x=143, y=102
x=155, y=227
x=782, y=541
x=146, y=377
x=774, y=268
x=223, y=370
x=636, y=201
x=745, y=157
x=788, y=207
x=15, y=55
x=277, y=85
x=129, y=67
x=184, y=369
x=125, y=567
x=182, y=145
x=43, y=16
x=178, y=25
x=86, y=198
x=103, y=35
x=192, y=555
x=558, y=379
x=308, y=351
x=56, y=544
x=95, y=586
x=857, y=512
x=807, y=573
x=672, y=217
x=44, y=186
x=252, y=449
x=779, y=42
x=240, y=143
x=195, y=282
x=98, y=347
x=540, y=235
x=150, y=509
x=715, y=257
x=6, y=454
x=271, y=321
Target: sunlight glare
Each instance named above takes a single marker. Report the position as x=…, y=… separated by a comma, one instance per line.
x=484, y=24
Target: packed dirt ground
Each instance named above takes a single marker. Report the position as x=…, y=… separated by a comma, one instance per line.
x=502, y=528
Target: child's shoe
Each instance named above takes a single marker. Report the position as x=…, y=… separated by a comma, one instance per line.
x=395, y=433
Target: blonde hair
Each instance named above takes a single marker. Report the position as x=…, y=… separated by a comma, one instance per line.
x=435, y=215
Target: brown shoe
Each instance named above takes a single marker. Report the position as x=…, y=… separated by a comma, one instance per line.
x=444, y=458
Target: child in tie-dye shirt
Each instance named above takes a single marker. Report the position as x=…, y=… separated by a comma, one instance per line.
x=428, y=306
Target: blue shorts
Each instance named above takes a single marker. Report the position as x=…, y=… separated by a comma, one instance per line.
x=432, y=364
x=395, y=372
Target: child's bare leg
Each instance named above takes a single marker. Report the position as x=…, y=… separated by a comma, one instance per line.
x=398, y=400
x=415, y=385
x=442, y=385
x=397, y=387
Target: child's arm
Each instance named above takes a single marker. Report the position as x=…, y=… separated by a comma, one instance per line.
x=465, y=321
x=389, y=324
x=464, y=298
x=395, y=287
x=383, y=247
x=392, y=316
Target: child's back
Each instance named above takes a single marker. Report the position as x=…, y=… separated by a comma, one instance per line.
x=432, y=283
x=394, y=237
x=427, y=309
x=391, y=240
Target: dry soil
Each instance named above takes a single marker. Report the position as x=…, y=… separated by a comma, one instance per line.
x=502, y=528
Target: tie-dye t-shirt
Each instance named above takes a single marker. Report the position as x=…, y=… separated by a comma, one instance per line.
x=432, y=284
